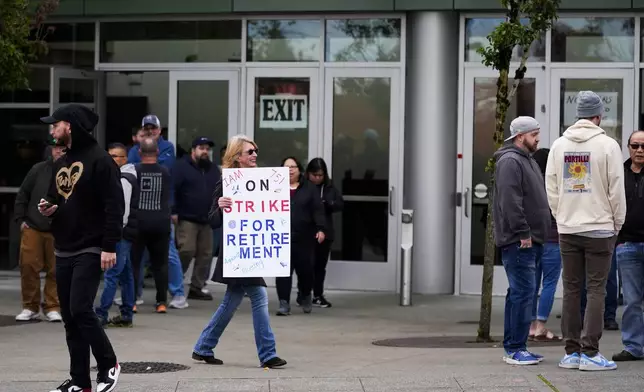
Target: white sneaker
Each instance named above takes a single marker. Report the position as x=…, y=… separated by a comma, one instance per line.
x=54, y=317
x=27, y=315
x=596, y=363
x=139, y=301
x=118, y=301
x=179, y=302
x=205, y=290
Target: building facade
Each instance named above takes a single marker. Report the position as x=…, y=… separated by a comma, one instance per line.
x=391, y=93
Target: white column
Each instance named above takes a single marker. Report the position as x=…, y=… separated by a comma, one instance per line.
x=430, y=146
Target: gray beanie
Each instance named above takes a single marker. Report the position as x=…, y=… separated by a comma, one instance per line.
x=589, y=105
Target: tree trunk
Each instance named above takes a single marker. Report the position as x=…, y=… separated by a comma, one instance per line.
x=487, y=283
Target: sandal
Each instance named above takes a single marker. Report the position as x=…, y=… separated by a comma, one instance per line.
x=547, y=336
x=530, y=338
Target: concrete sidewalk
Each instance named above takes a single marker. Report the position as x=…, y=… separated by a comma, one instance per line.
x=328, y=350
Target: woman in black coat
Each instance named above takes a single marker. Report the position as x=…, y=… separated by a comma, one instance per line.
x=318, y=174
x=240, y=153
x=307, y=230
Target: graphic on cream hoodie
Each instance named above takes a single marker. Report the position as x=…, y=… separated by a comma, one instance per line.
x=585, y=180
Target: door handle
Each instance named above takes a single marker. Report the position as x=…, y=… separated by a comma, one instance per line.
x=466, y=202
x=391, y=200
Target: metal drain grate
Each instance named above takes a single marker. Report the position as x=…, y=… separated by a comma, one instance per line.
x=150, y=367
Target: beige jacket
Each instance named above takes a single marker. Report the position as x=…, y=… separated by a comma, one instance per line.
x=585, y=180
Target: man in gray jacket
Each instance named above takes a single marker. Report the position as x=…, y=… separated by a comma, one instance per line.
x=521, y=223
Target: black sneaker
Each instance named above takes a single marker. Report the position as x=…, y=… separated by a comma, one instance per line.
x=273, y=363
x=107, y=379
x=68, y=386
x=199, y=295
x=611, y=325
x=321, y=302
x=625, y=356
x=210, y=360
x=119, y=322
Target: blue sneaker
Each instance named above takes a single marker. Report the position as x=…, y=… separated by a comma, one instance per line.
x=539, y=357
x=596, y=363
x=570, y=361
x=521, y=358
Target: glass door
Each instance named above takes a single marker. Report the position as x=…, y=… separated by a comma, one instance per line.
x=203, y=103
x=282, y=113
x=362, y=147
x=614, y=86
x=477, y=147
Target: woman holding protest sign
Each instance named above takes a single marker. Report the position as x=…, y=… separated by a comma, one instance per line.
x=240, y=153
x=307, y=227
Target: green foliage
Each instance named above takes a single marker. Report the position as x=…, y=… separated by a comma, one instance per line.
x=538, y=17
x=21, y=39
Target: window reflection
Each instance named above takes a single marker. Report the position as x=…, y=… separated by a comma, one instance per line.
x=284, y=40
x=38, y=88
x=202, y=110
x=363, y=40
x=361, y=126
x=477, y=30
x=593, y=40
x=171, y=42
x=69, y=44
x=483, y=148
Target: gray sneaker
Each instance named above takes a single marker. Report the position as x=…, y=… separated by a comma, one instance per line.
x=285, y=308
x=179, y=302
x=307, y=304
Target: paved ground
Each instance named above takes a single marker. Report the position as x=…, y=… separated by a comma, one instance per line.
x=328, y=350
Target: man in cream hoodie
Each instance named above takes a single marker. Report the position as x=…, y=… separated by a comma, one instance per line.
x=585, y=187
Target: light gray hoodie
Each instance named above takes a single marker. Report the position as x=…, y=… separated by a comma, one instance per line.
x=585, y=181
x=127, y=189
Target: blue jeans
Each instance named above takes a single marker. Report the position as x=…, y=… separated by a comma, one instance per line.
x=610, y=307
x=121, y=274
x=520, y=266
x=550, y=270
x=175, y=271
x=630, y=259
x=264, y=338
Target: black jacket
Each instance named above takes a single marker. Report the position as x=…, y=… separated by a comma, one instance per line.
x=333, y=202
x=633, y=228
x=34, y=187
x=216, y=220
x=307, y=213
x=86, y=186
x=193, y=189
x=521, y=209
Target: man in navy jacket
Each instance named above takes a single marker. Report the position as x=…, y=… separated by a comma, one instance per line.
x=195, y=177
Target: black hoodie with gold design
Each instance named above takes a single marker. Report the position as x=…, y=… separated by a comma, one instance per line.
x=86, y=186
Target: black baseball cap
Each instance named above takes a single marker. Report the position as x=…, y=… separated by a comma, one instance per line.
x=200, y=141
x=74, y=114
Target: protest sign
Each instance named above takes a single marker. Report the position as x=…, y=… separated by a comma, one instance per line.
x=257, y=228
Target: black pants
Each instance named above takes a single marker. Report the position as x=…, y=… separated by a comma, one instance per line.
x=157, y=244
x=77, y=281
x=302, y=264
x=321, y=259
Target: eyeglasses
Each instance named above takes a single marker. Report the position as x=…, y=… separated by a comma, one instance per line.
x=253, y=151
x=636, y=146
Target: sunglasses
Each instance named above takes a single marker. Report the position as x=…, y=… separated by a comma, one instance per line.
x=636, y=146
x=253, y=151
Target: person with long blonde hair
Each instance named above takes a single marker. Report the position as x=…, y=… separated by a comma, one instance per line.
x=240, y=153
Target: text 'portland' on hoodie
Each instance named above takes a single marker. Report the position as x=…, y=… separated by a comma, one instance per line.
x=585, y=180
x=86, y=186
x=520, y=204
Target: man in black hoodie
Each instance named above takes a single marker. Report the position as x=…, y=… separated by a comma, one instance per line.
x=86, y=205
